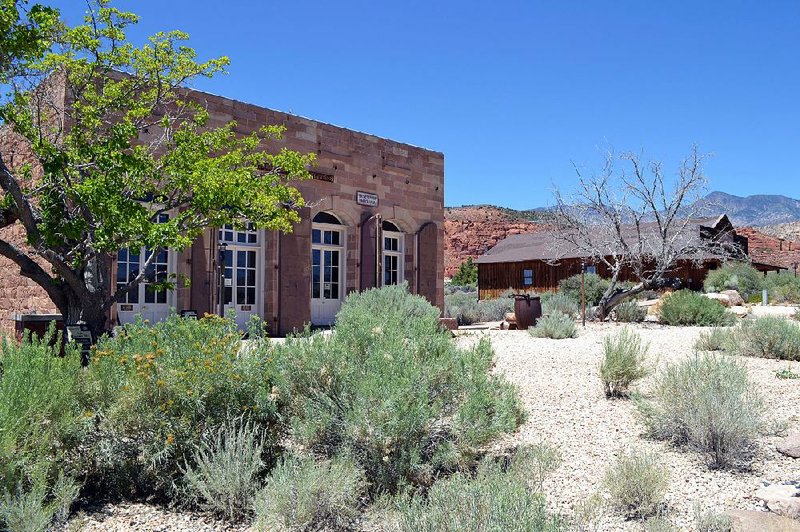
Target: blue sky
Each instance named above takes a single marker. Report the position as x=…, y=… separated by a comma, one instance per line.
x=514, y=92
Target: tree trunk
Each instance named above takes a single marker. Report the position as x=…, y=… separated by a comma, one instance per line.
x=614, y=297
x=85, y=312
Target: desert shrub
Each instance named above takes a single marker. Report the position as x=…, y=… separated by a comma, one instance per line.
x=637, y=483
x=587, y=513
x=660, y=524
x=739, y=276
x=709, y=404
x=535, y=463
x=630, y=312
x=787, y=373
x=685, y=307
x=42, y=424
x=783, y=287
x=556, y=326
x=716, y=339
x=769, y=337
x=227, y=466
x=303, y=494
x=392, y=389
x=465, y=307
x=711, y=521
x=596, y=286
x=38, y=507
x=624, y=362
x=560, y=303
x=154, y=389
x=492, y=500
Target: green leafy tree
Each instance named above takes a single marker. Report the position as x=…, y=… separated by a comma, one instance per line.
x=467, y=274
x=118, y=139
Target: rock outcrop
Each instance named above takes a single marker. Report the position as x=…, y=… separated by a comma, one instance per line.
x=473, y=230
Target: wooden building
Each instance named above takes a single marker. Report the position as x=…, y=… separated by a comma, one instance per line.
x=537, y=262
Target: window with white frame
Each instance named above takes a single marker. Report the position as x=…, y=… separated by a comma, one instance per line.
x=131, y=261
x=591, y=269
x=392, y=254
x=231, y=235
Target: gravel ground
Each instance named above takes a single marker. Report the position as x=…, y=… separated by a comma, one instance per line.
x=560, y=387
x=145, y=517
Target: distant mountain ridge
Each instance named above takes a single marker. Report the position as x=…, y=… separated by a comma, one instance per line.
x=756, y=210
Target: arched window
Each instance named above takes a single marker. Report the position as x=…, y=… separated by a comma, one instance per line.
x=393, y=249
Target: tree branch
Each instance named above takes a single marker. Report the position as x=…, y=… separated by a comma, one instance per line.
x=33, y=271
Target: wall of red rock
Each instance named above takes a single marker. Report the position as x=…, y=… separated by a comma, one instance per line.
x=770, y=249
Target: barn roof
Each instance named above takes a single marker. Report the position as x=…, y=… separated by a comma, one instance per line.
x=545, y=245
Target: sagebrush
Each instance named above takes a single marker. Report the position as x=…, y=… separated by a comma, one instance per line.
x=492, y=500
x=391, y=389
x=769, y=337
x=707, y=403
x=561, y=303
x=637, y=483
x=716, y=339
x=225, y=469
x=556, y=326
x=630, y=312
x=624, y=362
x=305, y=494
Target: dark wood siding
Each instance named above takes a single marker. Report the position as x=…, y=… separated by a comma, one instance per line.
x=495, y=279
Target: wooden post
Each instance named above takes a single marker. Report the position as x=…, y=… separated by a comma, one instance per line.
x=583, y=293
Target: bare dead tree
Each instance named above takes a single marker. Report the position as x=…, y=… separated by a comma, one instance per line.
x=631, y=219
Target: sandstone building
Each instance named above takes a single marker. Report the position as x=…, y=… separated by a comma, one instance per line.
x=374, y=215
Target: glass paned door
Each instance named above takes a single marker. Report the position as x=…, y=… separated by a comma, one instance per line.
x=326, y=277
x=147, y=300
x=241, y=283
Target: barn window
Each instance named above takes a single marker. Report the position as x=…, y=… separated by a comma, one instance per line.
x=527, y=277
x=591, y=269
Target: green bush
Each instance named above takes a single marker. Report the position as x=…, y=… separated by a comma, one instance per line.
x=153, y=390
x=535, y=463
x=637, y=483
x=596, y=286
x=560, y=303
x=624, y=362
x=467, y=274
x=711, y=521
x=685, y=307
x=783, y=287
x=303, y=494
x=556, y=326
x=630, y=312
x=38, y=508
x=390, y=388
x=706, y=403
x=769, y=337
x=492, y=500
x=465, y=307
x=227, y=467
x=42, y=424
x=716, y=339
x=739, y=276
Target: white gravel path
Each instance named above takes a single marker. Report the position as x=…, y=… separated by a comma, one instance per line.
x=560, y=387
